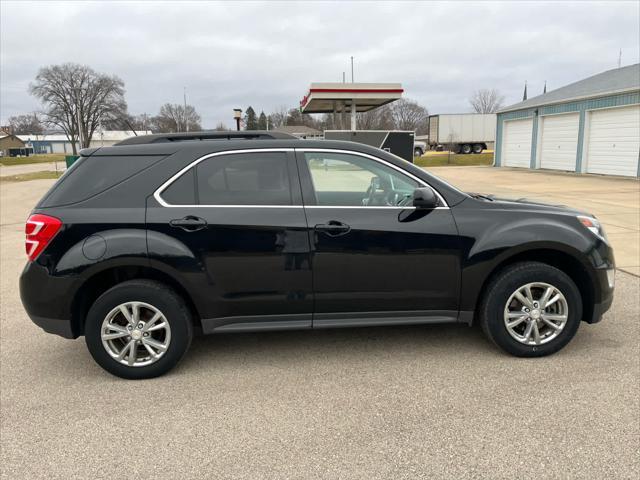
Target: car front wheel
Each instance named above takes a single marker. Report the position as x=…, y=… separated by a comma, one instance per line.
x=138, y=329
x=531, y=309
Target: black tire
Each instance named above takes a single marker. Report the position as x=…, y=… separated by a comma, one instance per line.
x=161, y=297
x=417, y=152
x=466, y=149
x=477, y=148
x=500, y=288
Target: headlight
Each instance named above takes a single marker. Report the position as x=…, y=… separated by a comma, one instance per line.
x=593, y=225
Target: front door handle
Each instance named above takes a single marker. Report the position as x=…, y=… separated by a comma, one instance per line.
x=333, y=228
x=189, y=223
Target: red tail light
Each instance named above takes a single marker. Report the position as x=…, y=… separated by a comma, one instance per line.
x=40, y=230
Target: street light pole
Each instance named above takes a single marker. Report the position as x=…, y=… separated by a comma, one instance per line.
x=186, y=122
x=352, y=69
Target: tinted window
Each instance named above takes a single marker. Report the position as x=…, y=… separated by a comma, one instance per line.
x=352, y=180
x=182, y=191
x=94, y=175
x=244, y=179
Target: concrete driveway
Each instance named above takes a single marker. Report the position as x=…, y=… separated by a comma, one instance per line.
x=433, y=402
x=614, y=200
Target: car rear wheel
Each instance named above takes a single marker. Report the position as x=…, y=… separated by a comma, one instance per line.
x=531, y=309
x=138, y=329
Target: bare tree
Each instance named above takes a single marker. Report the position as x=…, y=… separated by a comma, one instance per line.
x=128, y=122
x=77, y=99
x=486, y=100
x=174, y=118
x=296, y=117
x=408, y=115
x=376, y=119
x=278, y=118
x=221, y=127
x=25, y=124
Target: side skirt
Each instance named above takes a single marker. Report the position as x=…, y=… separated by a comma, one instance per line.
x=256, y=323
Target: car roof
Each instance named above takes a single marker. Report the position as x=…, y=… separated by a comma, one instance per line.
x=212, y=146
x=198, y=148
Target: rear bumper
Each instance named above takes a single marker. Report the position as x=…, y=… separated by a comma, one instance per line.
x=47, y=300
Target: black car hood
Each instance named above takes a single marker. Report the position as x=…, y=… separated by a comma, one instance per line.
x=523, y=202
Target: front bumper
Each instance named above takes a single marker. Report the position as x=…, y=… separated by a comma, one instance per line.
x=606, y=287
x=54, y=325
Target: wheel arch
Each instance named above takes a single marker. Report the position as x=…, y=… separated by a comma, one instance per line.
x=100, y=282
x=559, y=258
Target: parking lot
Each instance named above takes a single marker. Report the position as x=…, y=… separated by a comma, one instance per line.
x=392, y=403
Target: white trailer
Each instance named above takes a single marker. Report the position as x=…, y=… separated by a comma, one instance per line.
x=462, y=132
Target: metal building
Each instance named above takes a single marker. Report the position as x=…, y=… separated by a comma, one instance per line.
x=590, y=126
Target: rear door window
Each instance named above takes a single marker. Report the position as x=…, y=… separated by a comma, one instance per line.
x=259, y=178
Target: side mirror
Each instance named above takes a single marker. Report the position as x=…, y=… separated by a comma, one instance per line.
x=425, y=197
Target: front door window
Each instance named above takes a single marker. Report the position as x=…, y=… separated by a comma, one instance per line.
x=354, y=181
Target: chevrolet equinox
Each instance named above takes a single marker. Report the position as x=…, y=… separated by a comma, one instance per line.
x=139, y=245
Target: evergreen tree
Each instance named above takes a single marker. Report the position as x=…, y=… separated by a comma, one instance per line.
x=262, y=121
x=250, y=119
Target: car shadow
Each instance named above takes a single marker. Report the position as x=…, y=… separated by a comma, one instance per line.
x=337, y=344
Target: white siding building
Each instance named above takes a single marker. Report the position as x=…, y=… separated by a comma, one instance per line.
x=59, y=143
x=590, y=126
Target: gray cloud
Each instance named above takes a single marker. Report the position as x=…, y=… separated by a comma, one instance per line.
x=265, y=55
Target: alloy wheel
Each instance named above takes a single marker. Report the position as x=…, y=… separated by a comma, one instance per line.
x=135, y=334
x=536, y=313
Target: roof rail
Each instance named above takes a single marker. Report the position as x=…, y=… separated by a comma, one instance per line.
x=202, y=136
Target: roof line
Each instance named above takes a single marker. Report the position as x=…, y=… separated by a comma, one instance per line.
x=519, y=106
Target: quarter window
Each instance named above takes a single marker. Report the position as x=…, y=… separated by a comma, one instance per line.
x=351, y=180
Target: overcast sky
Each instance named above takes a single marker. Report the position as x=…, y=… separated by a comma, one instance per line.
x=266, y=55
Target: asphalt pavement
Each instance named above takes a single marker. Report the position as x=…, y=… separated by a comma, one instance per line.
x=374, y=403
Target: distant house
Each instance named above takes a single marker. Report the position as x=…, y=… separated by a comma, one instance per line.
x=300, y=131
x=12, y=146
x=59, y=143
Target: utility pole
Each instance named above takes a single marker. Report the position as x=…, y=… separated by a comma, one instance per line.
x=186, y=122
x=344, y=80
x=620, y=59
x=351, y=69
x=78, y=91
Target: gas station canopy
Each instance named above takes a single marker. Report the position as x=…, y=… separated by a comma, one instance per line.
x=340, y=97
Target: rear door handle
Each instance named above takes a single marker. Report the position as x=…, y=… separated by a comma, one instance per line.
x=189, y=223
x=333, y=228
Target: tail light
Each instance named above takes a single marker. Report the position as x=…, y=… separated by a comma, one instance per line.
x=40, y=230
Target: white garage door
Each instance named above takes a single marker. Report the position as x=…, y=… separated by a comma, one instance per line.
x=614, y=141
x=559, y=142
x=516, y=143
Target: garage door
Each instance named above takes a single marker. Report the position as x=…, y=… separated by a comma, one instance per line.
x=516, y=143
x=559, y=142
x=614, y=141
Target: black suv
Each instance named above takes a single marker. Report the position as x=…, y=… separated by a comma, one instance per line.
x=139, y=245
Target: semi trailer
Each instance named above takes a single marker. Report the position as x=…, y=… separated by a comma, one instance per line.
x=462, y=132
x=398, y=142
